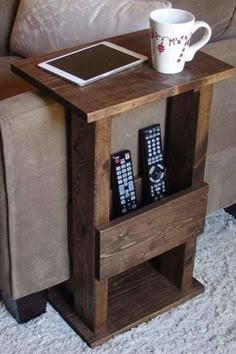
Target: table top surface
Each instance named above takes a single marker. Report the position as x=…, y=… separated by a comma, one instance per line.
x=126, y=90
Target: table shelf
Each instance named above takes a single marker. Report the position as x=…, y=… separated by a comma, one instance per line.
x=133, y=297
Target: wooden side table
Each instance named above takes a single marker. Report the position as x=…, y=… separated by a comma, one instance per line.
x=132, y=268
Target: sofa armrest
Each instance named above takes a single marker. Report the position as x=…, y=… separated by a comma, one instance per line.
x=33, y=196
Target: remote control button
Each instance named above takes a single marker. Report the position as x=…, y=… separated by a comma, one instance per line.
x=118, y=168
x=122, y=202
x=134, y=206
x=121, y=190
x=124, y=211
x=131, y=185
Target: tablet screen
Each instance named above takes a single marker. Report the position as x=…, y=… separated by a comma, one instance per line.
x=93, y=61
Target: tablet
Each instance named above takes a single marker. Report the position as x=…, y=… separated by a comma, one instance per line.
x=93, y=63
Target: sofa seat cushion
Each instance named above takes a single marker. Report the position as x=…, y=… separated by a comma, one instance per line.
x=11, y=84
x=52, y=26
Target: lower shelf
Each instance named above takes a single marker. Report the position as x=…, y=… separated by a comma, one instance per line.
x=136, y=297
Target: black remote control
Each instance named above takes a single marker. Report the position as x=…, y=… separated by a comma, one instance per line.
x=123, y=182
x=153, y=163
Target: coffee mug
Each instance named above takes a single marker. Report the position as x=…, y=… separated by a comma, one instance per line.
x=171, y=31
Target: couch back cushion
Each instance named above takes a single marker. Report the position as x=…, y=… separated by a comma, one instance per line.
x=48, y=26
x=8, y=10
x=230, y=31
x=217, y=13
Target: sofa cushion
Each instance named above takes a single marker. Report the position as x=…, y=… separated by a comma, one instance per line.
x=34, y=246
x=8, y=10
x=230, y=31
x=46, y=27
x=221, y=153
x=217, y=13
x=223, y=126
x=11, y=84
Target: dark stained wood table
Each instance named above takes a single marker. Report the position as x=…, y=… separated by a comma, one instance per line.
x=129, y=269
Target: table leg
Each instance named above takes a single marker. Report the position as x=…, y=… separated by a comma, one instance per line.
x=186, y=137
x=205, y=98
x=185, y=147
x=90, y=184
x=177, y=264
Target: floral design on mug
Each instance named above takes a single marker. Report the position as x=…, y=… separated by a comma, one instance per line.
x=164, y=40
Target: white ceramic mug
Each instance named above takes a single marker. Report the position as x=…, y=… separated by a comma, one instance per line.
x=171, y=31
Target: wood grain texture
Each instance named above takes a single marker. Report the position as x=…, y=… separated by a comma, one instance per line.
x=90, y=189
x=124, y=91
x=177, y=264
x=205, y=99
x=135, y=296
x=150, y=231
x=180, y=137
x=167, y=228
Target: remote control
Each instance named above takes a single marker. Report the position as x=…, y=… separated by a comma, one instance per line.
x=153, y=162
x=123, y=182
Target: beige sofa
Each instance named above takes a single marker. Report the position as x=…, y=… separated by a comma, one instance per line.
x=33, y=176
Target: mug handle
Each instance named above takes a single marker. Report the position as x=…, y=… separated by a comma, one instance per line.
x=196, y=46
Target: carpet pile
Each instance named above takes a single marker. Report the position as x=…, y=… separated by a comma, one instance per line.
x=204, y=325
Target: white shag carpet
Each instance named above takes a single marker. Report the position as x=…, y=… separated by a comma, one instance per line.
x=203, y=325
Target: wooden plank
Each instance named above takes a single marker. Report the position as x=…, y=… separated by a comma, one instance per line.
x=180, y=137
x=177, y=264
x=149, y=231
x=90, y=148
x=134, y=297
x=202, y=133
x=126, y=90
x=185, y=145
